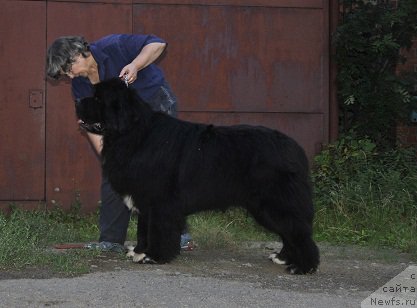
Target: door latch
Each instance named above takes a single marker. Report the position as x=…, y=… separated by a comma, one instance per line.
x=35, y=99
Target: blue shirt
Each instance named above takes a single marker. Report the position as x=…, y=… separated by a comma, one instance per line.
x=112, y=53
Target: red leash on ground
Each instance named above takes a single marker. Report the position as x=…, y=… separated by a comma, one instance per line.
x=70, y=246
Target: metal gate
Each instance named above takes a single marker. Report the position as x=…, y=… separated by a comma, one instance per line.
x=229, y=61
x=22, y=101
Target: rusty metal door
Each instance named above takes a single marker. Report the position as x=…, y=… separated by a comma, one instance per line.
x=247, y=61
x=22, y=100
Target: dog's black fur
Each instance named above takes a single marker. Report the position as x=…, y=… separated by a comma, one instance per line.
x=172, y=168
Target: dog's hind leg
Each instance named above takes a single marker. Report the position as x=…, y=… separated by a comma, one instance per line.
x=306, y=256
x=299, y=251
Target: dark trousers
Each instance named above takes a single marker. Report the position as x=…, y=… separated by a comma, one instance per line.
x=114, y=214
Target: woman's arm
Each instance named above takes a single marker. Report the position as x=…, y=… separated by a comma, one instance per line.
x=148, y=55
x=96, y=141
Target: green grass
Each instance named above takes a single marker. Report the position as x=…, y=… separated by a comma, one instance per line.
x=217, y=229
x=366, y=197
x=371, y=215
x=26, y=239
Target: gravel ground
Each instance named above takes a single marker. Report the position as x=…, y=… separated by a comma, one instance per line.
x=240, y=277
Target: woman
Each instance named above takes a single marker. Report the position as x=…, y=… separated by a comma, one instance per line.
x=132, y=58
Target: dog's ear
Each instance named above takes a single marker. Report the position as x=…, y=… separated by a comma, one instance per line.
x=121, y=105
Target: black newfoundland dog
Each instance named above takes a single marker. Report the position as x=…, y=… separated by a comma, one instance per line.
x=170, y=168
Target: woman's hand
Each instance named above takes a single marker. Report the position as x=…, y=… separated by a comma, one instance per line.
x=148, y=55
x=129, y=73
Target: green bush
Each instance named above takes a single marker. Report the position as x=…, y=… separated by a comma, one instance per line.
x=372, y=96
x=365, y=196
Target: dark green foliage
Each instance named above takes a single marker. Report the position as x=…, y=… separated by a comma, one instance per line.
x=372, y=96
x=365, y=196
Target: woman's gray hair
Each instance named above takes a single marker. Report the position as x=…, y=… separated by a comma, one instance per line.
x=62, y=53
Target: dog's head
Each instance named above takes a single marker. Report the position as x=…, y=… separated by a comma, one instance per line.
x=113, y=108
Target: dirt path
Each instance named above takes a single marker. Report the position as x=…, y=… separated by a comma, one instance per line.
x=346, y=273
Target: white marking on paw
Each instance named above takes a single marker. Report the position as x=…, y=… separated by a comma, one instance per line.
x=274, y=258
x=130, y=251
x=129, y=201
x=138, y=257
x=141, y=258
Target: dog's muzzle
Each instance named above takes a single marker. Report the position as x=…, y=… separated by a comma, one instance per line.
x=95, y=128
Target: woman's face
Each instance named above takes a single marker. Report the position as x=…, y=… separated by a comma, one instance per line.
x=79, y=68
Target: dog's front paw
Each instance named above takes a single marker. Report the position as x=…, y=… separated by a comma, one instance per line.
x=274, y=257
x=140, y=258
x=130, y=251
